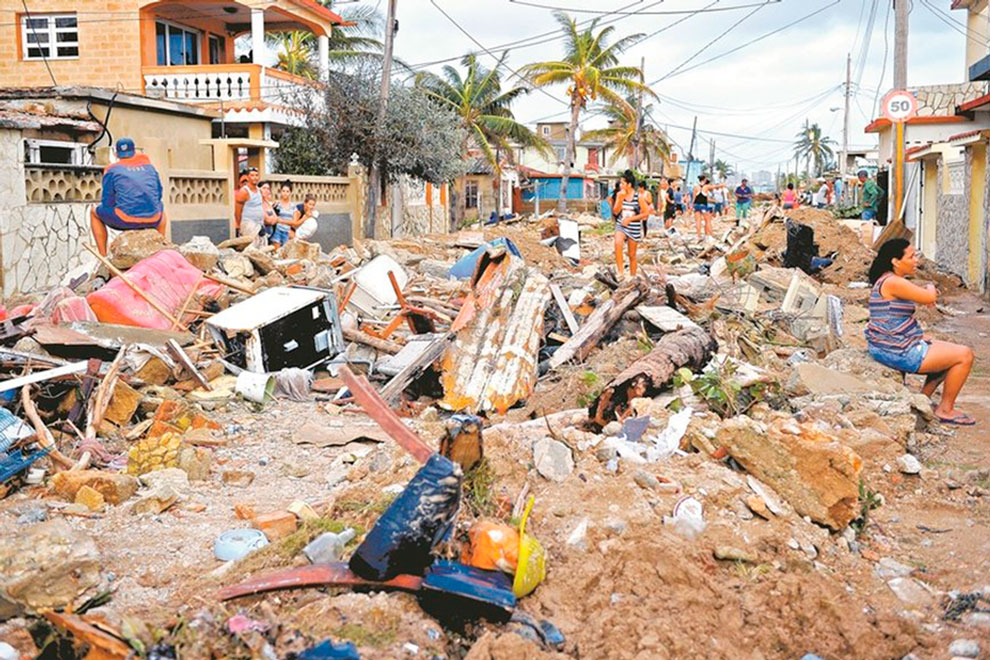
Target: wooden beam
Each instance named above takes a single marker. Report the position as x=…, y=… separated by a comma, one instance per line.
x=558, y=297
x=430, y=354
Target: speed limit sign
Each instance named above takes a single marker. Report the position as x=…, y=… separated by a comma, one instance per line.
x=899, y=106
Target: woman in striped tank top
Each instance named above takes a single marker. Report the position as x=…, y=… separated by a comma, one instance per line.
x=632, y=210
x=895, y=338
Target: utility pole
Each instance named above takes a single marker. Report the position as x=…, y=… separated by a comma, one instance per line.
x=900, y=43
x=375, y=175
x=694, y=134
x=639, y=115
x=711, y=159
x=900, y=82
x=844, y=154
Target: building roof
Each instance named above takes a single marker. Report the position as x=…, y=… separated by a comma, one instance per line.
x=876, y=125
x=28, y=119
x=312, y=5
x=479, y=167
x=531, y=173
x=983, y=101
x=104, y=95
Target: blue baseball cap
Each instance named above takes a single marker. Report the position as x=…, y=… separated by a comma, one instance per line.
x=125, y=148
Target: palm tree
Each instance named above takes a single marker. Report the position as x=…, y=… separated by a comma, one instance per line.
x=358, y=41
x=484, y=109
x=620, y=136
x=591, y=70
x=814, y=147
x=723, y=170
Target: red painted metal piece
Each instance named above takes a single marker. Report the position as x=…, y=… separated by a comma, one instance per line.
x=335, y=574
x=372, y=402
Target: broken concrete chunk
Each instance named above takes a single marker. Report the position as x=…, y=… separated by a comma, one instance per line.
x=195, y=462
x=130, y=247
x=552, y=459
x=200, y=252
x=731, y=553
x=911, y=592
x=814, y=472
x=91, y=498
x=47, y=565
x=908, y=464
x=114, y=486
x=263, y=262
x=808, y=378
x=242, y=478
x=155, y=500
x=237, y=266
x=123, y=404
x=276, y=524
x=300, y=249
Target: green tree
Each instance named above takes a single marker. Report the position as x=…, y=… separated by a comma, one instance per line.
x=590, y=69
x=652, y=145
x=815, y=148
x=723, y=170
x=476, y=97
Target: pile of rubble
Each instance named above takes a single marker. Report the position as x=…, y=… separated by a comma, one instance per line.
x=520, y=451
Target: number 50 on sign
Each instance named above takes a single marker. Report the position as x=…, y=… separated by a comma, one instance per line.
x=899, y=106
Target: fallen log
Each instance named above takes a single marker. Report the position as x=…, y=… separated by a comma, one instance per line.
x=383, y=345
x=691, y=348
x=629, y=294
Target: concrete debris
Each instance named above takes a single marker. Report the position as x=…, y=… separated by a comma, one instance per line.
x=130, y=247
x=201, y=253
x=908, y=464
x=552, y=459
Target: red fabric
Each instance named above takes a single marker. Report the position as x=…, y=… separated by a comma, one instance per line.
x=166, y=277
x=73, y=308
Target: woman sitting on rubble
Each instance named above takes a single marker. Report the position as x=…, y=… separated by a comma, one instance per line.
x=633, y=210
x=895, y=338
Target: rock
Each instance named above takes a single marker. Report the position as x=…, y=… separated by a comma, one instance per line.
x=859, y=363
x=552, y=459
x=965, y=648
x=91, y=498
x=237, y=243
x=47, y=565
x=809, y=378
x=646, y=480
x=201, y=253
x=731, y=553
x=195, y=462
x=810, y=469
x=114, y=486
x=908, y=464
x=154, y=453
x=300, y=249
x=303, y=511
x=123, y=404
x=175, y=478
x=758, y=506
x=276, y=524
x=612, y=428
x=578, y=538
x=244, y=511
x=154, y=501
x=606, y=453
x=237, y=266
x=888, y=568
x=242, y=478
x=617, y=526
x=131, y=247
x=263, y=262
x=911, y=592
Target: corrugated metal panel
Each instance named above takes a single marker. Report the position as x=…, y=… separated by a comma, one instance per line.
x=492, y=363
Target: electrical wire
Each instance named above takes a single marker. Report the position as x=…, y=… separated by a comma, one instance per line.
x=948, y=20
x=34, y=31
x=886, y=52
x=610, y=12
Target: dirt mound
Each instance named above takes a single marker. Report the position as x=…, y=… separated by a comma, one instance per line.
x=854, y=258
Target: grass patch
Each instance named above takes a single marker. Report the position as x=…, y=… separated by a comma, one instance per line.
x=376, y=638
x=601, y=229
x=593, y=386
x=479, y=493
x=868, y=501
x=751, y=572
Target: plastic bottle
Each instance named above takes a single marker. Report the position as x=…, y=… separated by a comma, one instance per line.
x=328, y=546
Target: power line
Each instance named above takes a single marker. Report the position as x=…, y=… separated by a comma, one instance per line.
x=41, y=49
x=948, y=20
x=638, y=12
x=753, y=41
x=886, y=52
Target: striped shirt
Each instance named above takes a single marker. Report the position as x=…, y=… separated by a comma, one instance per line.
x=892, y=325
x=630, y=207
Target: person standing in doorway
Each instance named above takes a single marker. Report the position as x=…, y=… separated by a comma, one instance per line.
x=131, y=197
x=249, y=214
x=871, y=195
x=633, y=210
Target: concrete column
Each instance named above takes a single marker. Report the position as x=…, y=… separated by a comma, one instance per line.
x=258, y=48
x=323, y=42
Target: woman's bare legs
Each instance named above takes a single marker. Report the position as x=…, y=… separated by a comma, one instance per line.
x=633, y=245
x=619, y=267
x=957, y=361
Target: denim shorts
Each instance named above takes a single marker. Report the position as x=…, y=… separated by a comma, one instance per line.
x=280, y=235
x=702, y=208
x=909, y=361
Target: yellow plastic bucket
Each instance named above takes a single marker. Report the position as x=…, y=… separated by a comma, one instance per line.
x=532, y=566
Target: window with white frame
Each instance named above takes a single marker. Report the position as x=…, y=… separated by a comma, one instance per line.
x=49, y=36
x=56, y=152
x=546, y=131
x=176, y=45
x=471, y=194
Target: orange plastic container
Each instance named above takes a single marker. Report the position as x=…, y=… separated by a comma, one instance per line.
x=166, y=277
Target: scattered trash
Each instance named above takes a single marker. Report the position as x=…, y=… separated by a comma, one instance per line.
x=238, y=543
x=328, y=547
x=687, y=519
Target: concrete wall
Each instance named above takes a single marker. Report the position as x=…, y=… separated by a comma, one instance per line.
x=40, y=242
x=952, y=228
x=976, y=175
x=928, y=226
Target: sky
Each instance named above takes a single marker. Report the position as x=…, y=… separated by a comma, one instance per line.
x=762, y=92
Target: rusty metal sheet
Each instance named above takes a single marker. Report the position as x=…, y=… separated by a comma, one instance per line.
x=492, y=363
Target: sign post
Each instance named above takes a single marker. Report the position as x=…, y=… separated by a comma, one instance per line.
x=899, y=106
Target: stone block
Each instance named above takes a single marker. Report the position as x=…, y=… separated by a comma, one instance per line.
x=130, y=247
x=123, y=404
x=91, y=498
x=299, y=249
x=195, y=462
x=154, y=453
x=200, y=252
x=114, y=486
x=275, y=525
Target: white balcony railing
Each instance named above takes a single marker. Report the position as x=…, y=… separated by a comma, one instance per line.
x=199, y=84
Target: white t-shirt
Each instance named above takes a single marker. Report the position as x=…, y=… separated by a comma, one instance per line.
x=821, y=196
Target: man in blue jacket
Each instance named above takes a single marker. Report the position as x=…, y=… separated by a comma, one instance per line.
x=132, y=196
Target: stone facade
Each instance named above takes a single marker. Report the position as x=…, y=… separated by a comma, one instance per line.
x=40, y=242
x=941, y=100
x=952, y=229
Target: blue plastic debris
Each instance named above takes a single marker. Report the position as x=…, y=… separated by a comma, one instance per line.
x=331, y=650
x=16, y=462
x=464, y=268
